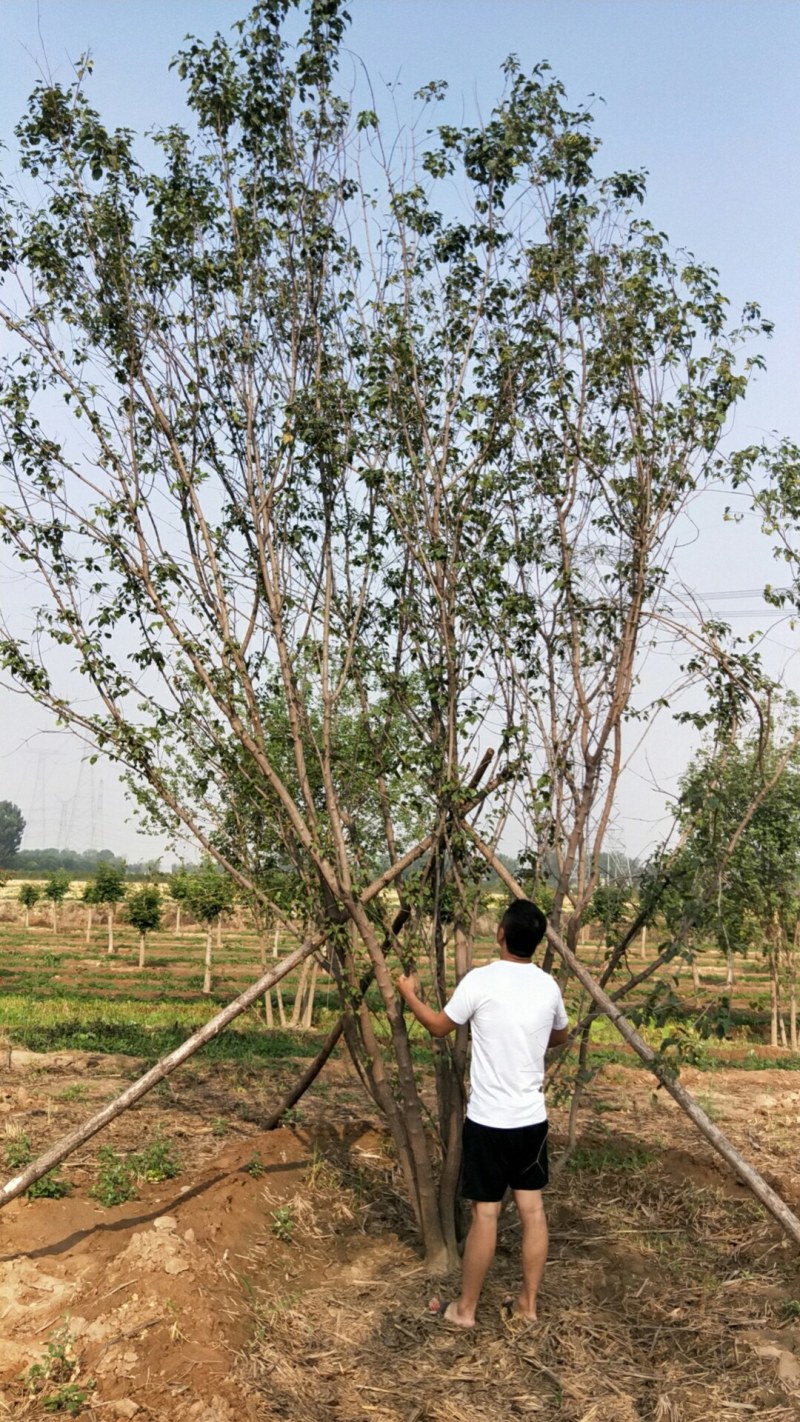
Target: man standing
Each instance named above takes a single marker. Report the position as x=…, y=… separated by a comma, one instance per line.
x=515, y=1012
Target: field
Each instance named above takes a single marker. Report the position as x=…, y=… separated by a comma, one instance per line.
x=275, y=1275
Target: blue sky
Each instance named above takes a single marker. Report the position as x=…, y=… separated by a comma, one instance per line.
x=701, y=93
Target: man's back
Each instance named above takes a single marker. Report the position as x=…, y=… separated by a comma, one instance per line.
x=512, y=1009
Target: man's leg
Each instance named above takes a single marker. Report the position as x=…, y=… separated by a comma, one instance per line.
x=534, y=1248
x=478, y=1255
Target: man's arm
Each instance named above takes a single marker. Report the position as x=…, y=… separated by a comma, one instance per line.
x=558, y=1035
x=437, y=1023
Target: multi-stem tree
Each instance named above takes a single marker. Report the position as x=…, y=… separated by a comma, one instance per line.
x=401, y=465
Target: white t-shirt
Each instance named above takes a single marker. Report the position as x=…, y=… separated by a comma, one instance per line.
x=512, y=1009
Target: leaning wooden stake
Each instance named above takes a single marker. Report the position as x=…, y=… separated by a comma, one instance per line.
x=67, y=1144
x=755, y=1182
x=162, y=1069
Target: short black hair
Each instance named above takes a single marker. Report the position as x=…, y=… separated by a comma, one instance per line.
x=524, y=927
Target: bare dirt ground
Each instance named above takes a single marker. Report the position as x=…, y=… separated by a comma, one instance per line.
x=277, y=1277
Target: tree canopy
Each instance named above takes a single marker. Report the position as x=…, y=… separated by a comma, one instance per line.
x=359, y=481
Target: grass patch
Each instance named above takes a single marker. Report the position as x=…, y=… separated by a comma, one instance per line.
x=147, y=1030
x=599, y=1157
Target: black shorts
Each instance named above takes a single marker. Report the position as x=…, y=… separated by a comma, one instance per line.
x=495, y=1160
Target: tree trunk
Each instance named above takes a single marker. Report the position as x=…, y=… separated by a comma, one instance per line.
x=141, y=950
x=110, y=929
x=55, y=916
x=58, y=1152
x=773, y=998
x=729, y=972
x=311, y=988
x=207, y=974
x=793, y=989
x=89, y=919
x=755, y=1182
x=298, y=995
x=281, y=1008
x=695, y=972
x=644, y=942
x=27, y=918
x=178, y=916
x=262, y=954
x=219, y=935
x=278, y=990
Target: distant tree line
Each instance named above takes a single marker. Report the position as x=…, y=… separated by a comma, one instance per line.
x=82, y=864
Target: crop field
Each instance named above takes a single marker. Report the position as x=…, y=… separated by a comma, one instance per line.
x=199, y=1268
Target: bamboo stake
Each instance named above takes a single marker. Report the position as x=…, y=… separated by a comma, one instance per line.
x=751, y=1178
x=162, y=1069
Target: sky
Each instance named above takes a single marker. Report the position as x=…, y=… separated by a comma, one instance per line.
x=701, y=93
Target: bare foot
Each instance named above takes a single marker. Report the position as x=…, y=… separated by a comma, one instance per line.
x=519, y=1308
x=451, y=1313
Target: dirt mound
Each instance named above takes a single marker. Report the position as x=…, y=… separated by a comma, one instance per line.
x=150, y=1292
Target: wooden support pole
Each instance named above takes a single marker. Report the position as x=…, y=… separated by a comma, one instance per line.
x=162, y=1069
x=218, y=1023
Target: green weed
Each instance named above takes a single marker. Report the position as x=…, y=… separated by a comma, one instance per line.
x=52, y=1381
x=158, y=1161
x=17, y=1152
x=254, y=1167
x=118, y=1177
x=282, y=1224
x=51, y=1186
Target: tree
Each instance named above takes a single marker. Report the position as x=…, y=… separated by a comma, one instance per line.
x=178, y=890
x=746, y=894
x=90, y=899
x=419, y=469
x=56, y=887
x=210, y=895
x=12, y=826
x=609, y=906
x=29, y=894
x=109, y=889
x=143, y=910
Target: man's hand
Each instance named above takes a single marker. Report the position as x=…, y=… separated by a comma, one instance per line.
x=437, y=1023
x=408, y=986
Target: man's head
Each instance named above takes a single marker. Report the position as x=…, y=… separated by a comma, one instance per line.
x=522, y=928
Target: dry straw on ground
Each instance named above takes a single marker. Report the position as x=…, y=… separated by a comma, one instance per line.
x=663, y=1302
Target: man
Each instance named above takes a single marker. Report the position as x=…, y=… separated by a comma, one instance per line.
x=515, y=1011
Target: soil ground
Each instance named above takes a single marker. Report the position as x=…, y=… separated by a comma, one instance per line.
x=277, y=1276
